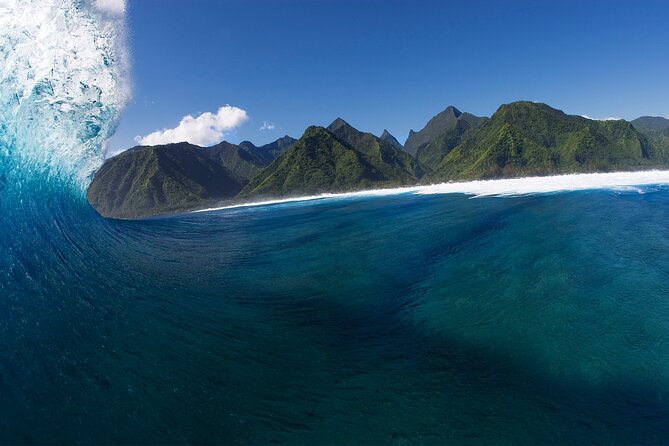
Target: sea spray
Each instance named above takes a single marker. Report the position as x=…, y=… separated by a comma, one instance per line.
x=63, y=85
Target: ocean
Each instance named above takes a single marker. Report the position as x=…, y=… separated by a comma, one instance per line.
x=406, y=317
x=393, y=319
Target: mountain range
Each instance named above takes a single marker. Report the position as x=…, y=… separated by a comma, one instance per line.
x=150, y=180
x=519, y=139
x=338, y=158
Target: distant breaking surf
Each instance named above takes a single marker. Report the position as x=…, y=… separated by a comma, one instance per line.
x=629, y=181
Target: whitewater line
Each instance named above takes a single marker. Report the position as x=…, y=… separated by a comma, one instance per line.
x=496, y=188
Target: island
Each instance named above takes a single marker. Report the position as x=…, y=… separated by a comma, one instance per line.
x=520, y=139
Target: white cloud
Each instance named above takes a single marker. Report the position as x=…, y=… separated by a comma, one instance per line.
x=116, y=7
x=267, y=126
x=205, y=130
x=601, y=119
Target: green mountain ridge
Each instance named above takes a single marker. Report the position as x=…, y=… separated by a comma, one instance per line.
x=527, y=138
x=520, y=139
x=440, y=135
x=243, y=162
x=270, y=151
x=321, y=162
x=394, y=163
x=150, y=180
x=159, y=179
x=432, y=153
x=439, y=126
x=656, y=129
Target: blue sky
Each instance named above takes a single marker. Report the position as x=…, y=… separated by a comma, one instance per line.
x=388, y=64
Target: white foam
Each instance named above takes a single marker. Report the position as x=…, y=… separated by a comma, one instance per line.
x=552, y=184
x=370, y=193
x=63, y=83
x=620, y=181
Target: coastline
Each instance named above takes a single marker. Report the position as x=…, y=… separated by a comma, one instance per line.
x=505, y=187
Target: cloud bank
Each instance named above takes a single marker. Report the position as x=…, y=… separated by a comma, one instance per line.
x=205, y=130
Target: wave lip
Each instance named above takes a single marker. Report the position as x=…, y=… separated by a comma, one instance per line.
x=507, y=187
x=63, y=84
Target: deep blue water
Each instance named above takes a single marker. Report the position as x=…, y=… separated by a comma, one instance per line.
x=391, y=320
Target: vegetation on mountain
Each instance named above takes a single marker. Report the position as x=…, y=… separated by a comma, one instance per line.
x=159, y=179
x=150, y=180
x=242, y=162
x=440, y=126
x=393, y=163
x=656, y=130
x=269, y=152
x=431, y=154
x=321, y=162
x=527, y=138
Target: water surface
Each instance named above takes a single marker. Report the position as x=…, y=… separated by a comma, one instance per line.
x=400, y=319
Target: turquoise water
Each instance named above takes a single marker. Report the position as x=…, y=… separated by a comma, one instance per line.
x=400, y=319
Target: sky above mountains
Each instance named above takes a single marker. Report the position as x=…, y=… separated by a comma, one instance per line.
x=255, y=70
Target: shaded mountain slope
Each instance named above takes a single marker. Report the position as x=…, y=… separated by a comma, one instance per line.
x=392, y=162
x=269, y=152
x=158, y=179
x=440, y=124
x=431, y=154
x=390, y=139
x=440, y=135
x=656, y=129
x=242, y=162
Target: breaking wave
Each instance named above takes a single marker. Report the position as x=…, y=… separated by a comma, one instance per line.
x=620, y=181
x=63, y=85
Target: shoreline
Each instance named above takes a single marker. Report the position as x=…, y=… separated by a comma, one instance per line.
x=505, y=187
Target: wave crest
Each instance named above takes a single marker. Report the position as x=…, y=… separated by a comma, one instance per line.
x=63, y=84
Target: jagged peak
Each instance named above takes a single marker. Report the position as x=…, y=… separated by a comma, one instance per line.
x=337, y=124
x=452, y=111
x=389, y=138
